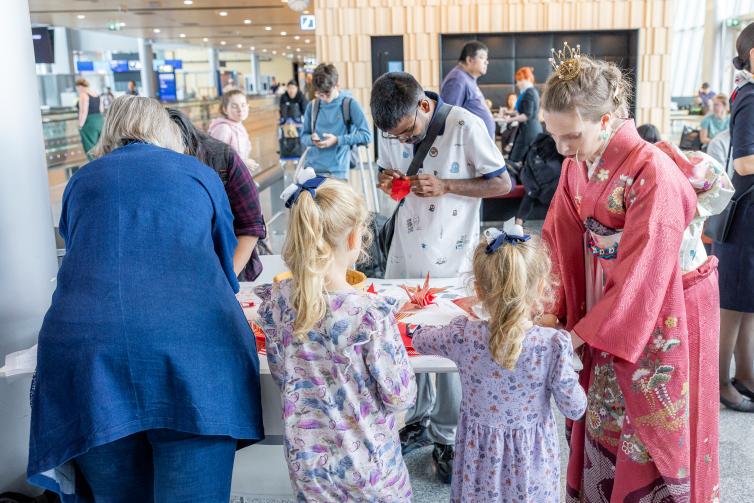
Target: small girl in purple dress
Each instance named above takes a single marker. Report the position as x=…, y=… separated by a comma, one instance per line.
x=506, y=446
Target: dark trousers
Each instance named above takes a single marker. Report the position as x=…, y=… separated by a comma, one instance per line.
x=160, y=466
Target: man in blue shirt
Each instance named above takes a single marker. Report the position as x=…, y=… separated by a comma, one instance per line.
x=460, y=86
x=330, y=129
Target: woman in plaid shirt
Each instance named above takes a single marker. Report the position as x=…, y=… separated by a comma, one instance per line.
x=248, y=222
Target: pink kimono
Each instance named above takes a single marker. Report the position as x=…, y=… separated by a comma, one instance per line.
x=615, y=236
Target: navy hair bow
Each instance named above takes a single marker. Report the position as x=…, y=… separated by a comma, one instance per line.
x=309, y=186
x=497, y=237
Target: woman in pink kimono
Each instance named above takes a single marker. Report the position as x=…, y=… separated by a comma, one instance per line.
x=615, y=231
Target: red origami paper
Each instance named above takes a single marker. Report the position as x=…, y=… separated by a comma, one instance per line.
x=403, y=329
x=467, y=304
x=371, y=289
x=400, y=188
x=420, y=297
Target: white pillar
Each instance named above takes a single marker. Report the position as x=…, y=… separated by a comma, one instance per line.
x=254, y=73
x=710, y=46
x=214, y=66
x=63, y=64
x=147, y=70
x=27, y=245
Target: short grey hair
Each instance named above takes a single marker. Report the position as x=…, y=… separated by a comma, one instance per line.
x=137, y=118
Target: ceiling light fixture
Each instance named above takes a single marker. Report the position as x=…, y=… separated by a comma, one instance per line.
x=222, y=42
x=283, y=33
x=222, y=13
x=298, y=49
x=296, y=37
x=268, y=28
x=306, y=41
x=122, y=24
x=156, y=30
x=247, y=21
x=264, y=50
x=188, y=2
x=251, y=47
x=81, y=16
x=274, y=52
x=239, y=46
x=182, y=35
x=205, y=39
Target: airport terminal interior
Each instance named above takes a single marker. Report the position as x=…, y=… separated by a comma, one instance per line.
x=540, y=207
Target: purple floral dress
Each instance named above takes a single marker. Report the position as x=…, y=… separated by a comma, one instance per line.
x=340, y=387
x=507, y=445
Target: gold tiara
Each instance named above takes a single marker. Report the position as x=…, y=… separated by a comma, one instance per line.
x=566, y=62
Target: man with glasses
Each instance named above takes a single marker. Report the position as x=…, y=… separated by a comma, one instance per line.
x=437, y=227
x=460, y=85
x=333, y=125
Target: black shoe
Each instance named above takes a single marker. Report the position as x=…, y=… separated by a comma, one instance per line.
x=443, y=456
x=745, y=405
x=742, y=389
x=413, y=436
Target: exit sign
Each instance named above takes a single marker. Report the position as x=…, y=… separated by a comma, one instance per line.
x=308, y=22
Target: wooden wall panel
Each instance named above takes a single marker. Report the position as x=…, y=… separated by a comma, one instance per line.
x=345, y=28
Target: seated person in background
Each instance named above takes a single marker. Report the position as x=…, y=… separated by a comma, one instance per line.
x=705, y=95
x=715, y=122
x=292, y=103
x=510, y=368
x=248, y=222
x=718, y=150
x=510, y=106
x=328, y=129
x=230, y=129
x=649, y=133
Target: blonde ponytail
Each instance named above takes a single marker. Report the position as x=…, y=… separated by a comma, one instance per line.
x=514, y=285
x=317, y=226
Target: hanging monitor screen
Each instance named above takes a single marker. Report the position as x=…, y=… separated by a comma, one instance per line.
x=43, y=45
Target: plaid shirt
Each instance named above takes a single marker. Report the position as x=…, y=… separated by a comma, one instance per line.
x=247, y=214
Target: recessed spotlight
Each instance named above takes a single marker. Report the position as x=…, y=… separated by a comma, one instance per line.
x=296, y=38
x=274, y=52
x=283, y=33
x=306, y=12
x=239, y=46
x=205, y=39
x=306, y=41
x=284, y=54
x=264, y=50
x=298, y=49
x=290, y=56
x=182, y=35
x=268, y=28
x=81, y=16
x=156, y=30
x=288, y=47
x=251, y=47
x=247, y=21
x=188, y=2
x=222, y=13
x=122, y=24
x=222, y=42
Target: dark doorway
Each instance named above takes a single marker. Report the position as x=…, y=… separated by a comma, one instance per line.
x=387, y=56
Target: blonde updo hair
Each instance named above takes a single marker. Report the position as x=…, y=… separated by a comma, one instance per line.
x=598, y=88
x=137, y=118
x=515, y=285
x=317, y=227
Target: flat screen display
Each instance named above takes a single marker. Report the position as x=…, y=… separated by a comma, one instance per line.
x=43, y=45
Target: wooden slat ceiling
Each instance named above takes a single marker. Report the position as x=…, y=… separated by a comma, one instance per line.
x=191, y=24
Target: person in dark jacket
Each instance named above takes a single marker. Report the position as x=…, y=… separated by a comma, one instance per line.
x=292, y=103
x=527, y=118
x=147, y=374
x=248, y=221
x=540, y=175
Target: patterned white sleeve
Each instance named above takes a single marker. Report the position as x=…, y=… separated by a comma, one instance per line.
x=481, y=150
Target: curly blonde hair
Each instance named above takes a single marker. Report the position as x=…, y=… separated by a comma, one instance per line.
x=515, y=285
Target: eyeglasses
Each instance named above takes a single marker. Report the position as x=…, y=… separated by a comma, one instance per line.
x=404, y=136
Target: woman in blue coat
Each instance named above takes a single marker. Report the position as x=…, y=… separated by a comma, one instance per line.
x=147, y=374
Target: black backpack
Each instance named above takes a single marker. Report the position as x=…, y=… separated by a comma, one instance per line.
x=345, y=109
x=540, y=172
